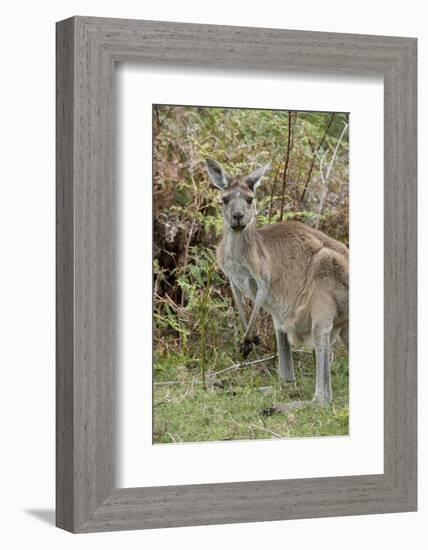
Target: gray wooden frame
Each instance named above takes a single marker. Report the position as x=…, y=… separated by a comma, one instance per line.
x=87, y=50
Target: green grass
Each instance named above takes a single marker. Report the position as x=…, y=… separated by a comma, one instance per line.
x=234, y=408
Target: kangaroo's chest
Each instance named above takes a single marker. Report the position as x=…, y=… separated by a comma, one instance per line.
x=240, y=275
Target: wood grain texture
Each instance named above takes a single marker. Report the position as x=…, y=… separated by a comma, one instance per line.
x=87, y=49
x=64, y=277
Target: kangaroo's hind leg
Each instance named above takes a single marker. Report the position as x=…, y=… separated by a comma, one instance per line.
x=323, y=312
x=285, y=357
x=323, y=392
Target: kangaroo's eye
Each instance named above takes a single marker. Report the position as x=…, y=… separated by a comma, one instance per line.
x=249, y=200
x=225, y=200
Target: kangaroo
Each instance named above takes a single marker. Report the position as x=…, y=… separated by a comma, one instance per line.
x=294, y=272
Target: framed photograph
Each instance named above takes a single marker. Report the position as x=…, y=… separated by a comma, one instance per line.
x=236, y=274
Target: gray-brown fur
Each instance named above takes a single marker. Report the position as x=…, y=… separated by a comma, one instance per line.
x=296, y=273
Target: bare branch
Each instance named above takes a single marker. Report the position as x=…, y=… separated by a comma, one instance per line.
x=244, y=364
x=267, y=431
x=325, y=177
x=287, y=161
x=314, y=156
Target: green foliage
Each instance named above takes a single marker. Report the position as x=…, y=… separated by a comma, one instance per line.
x=204, y=317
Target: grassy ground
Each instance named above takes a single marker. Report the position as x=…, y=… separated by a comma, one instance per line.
x=236, y=403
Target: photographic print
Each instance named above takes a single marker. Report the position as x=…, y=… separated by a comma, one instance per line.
x=250, y=274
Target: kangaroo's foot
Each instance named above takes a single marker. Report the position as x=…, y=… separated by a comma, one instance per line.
x=293, y=405
x=247, y=345
x=285, y=407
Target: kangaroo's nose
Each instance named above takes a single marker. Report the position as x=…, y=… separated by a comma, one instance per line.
x=237, y=216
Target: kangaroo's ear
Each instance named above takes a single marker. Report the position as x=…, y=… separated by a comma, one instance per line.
x=217, y=174
x=253, y=180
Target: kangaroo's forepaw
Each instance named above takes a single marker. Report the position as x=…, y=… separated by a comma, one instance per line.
x=247, y=345
x=256, y=340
